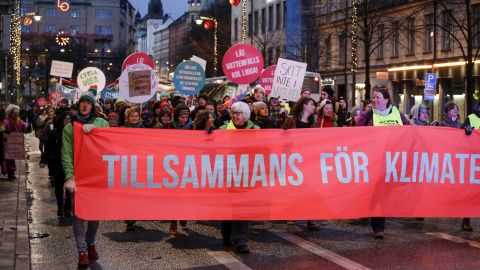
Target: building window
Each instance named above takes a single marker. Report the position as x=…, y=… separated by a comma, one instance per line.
x=49, y=28
x=279, y=17
x=264, y=25
x=429, y=33
x=74, y=29
x=255, y=31
x=103, y=14
x=270, y=18
x=250, y=24
x=447, y=31
x=411, y=37
x=235, y=29
x=328, y=51
x=395, y=39
x=103, y=30
x=74, y=13
x=50, y=12
x=342, y=55
x=381, y=36
x=24, y=10
x=25, y=28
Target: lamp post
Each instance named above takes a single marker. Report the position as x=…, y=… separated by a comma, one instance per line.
x=199, y=22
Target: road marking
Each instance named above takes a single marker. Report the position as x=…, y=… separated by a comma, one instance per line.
x=456, y=239
x=317, y=250
x=228, y=260
x=395, y=223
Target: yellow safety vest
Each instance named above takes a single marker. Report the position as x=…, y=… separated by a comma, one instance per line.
x=392, y=119
x=474, y=121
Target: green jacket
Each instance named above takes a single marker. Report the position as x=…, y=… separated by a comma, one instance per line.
x=67, y=144
x=230, y=125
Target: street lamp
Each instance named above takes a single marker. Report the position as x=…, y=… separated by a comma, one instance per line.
x=199, y=22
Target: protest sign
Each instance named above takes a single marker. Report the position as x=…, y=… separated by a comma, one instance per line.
x=242, y=64
x=55, y=97
x=288, y=80
x=110, y=94
x=230, y=91
x=137, y=83
x=61, y=69
x=138, y=58
x=91, y=76
x=189, y=78
x=14, y=146
x=41, y=102
x=266, y=79
x=200, y=61
x=344, y=173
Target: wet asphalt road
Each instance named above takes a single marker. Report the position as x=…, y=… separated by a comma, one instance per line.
x=338, y=244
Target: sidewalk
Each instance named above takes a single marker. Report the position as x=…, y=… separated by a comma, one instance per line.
x=14, y=241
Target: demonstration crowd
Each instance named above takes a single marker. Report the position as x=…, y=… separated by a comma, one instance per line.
x=54, y=129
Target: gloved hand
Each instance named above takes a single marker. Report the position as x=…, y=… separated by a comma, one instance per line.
x=468, y=130
x=70, y=185
x=87, y=128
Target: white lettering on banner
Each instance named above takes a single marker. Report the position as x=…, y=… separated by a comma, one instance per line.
x=430, y=168
x=214, y=176
x=345, y=166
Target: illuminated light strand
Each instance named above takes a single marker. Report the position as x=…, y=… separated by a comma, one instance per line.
x=15, y=41
x=354, y=37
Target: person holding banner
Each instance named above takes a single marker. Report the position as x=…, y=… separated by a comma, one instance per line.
x=328, y=93
x=302, y=115
x=419, y=115
x=204, y=121
x=327, y=117
x=85, y=116
x=149, y=120
x=383, y=113
x=263, y=119
x=235, y=231
x=450, y=116
x=113, y=119
x=356, y=113
x=132, y=118
x=165, y=118
x=12, y=123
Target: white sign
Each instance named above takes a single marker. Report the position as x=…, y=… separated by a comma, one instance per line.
x=91, y=76
x=124, y=83
x=288, y=80
x=201, y=61
x=61, y=69
x=230, y=91
x=242, y=88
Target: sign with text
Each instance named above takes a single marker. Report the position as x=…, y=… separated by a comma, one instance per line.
x=91, y=76
x=266, y=79
x=397, y=172
x=132, y=84
x=139, y=83
x=288, y=81
x=110, y=94
x=56, y=97
x=230, y=91
x=201, y=61
x=61, y=69
x=189, y=78
x=41, y=102
x=242, y=64
x=14, y=146
x=138, y=58
x=430, y=86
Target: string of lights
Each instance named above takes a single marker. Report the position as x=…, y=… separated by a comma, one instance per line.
x=354, y=37
x=15, y=40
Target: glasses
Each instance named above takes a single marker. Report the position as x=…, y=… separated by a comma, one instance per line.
x=236, y=113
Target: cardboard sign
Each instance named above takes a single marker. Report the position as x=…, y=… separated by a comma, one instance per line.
x=242, y=88
x=135, y=77
x=189, y=78
x=61, y=69
x=138, y=58
x=266, y=79
x=288, y=80
x=91, y=76
x=242, y=64
x=14, y=146
x=139, y=83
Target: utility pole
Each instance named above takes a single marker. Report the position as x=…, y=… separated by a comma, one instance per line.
x=6, y=79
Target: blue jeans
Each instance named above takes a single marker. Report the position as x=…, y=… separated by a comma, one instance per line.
x=83, y=238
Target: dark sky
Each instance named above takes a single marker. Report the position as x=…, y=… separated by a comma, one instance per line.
x=174, y=7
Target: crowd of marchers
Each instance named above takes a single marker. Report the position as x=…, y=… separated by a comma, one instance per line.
x=54, y=129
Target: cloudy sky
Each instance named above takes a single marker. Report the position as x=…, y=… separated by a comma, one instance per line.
x=174, y=7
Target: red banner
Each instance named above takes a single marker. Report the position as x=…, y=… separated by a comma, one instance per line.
x=336, y=173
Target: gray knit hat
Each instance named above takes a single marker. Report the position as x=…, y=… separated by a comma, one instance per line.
x=91, y=94
x=257, y=106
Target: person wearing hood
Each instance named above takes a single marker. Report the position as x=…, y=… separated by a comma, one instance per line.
x=344, y=104
x=149, y=120
x=355, y=116
x=181, y=117
x=450, y=116
x=419, y=115
x=86, y=117
x=328, y=93
x=263, y=119
x=52, y=156
x=326, y=116
x=11, y=123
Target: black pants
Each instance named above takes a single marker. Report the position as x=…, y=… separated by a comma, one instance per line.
x=59, y=181
x=378, y=224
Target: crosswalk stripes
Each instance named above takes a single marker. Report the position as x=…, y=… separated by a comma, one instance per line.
x=317, y=250
x=228, y=260
x=455, y=239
